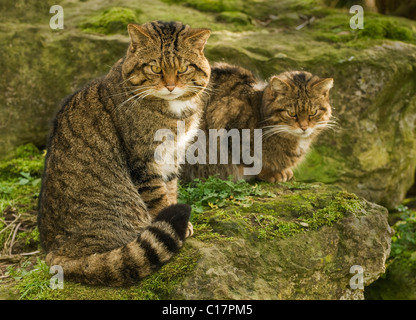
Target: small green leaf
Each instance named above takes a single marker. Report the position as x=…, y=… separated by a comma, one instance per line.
x=25, y=174
x=23, y=182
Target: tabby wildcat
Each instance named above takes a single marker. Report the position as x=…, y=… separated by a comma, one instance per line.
x=107, y=209
x=292, y=109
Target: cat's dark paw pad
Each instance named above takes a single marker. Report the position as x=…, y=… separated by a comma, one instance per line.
x=178, y=216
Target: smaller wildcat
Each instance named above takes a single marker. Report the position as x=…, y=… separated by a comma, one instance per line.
x=292, y=109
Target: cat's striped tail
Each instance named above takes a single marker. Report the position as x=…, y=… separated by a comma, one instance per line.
x=153, y=247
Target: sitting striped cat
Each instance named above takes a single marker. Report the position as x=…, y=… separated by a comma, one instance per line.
x=107, y=208
x=291, y=109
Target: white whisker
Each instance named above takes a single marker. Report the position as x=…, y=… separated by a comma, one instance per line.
x=125, y=80
x=135, y=97
x=274, y=130
x=202, y=88
x=123, y=93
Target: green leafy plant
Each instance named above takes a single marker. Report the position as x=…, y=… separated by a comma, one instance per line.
x=216, y=193
x=404, y=239
x=30, y=279
x=27, y=178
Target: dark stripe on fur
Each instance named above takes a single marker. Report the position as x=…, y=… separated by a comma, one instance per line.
x=165, y=238
x=199, y=69
x=150, y=253
x=147, y=189
x=153, y=203
x=129, y=269
x=159, y=33
x=175, y=43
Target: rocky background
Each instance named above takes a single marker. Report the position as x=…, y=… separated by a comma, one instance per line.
x=355, y=183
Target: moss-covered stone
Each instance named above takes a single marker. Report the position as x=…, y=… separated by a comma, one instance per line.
x=299, y=245
x=386, y=28
x=110, y=21
x=276, y=255
x=234, y=17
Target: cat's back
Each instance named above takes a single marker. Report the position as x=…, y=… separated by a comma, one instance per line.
x=228, y=78
x=84, y=159
x=235, y=92
x=82, y=127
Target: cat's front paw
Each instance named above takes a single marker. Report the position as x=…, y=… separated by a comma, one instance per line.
x=276, y=176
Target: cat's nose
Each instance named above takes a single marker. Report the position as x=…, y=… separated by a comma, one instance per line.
x=170, y=87
x=304, y=125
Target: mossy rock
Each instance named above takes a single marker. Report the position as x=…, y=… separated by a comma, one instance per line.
x=111, y=21
x=300, y=244
x=234, y=17
x=385, y=29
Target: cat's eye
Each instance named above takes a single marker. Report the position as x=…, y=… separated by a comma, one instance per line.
x=291, y=114
x=183, y=69
x=156, y=69
x=313, y=113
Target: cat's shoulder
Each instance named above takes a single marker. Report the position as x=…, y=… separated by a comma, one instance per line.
x=229, y=72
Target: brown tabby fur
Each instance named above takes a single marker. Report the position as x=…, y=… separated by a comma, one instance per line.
x=241, y=101
x=107, y=210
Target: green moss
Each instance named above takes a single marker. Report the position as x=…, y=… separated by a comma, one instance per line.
x=343, y=203
x=19, y=189
x=321, y=164
x=162, y=284
x=399, y=281
x=110, y=21
x=30, y=240
x=297, y=210
x=33, y=282
x=385, y=28
x=20, y=180
x=26, y=158
x=209, y=5
x=234, y=17
x=334, y=26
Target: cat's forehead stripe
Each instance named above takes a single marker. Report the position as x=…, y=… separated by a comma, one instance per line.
x=168, y=34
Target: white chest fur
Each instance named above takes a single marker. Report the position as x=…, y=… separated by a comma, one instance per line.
x=185, y=137
x=172, y=152
x=179, y=107
x=303, y=145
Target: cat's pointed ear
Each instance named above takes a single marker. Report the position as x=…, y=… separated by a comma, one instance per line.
x=323, y=86
x=138, y=35
x=279, y=85
x=197, y=38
